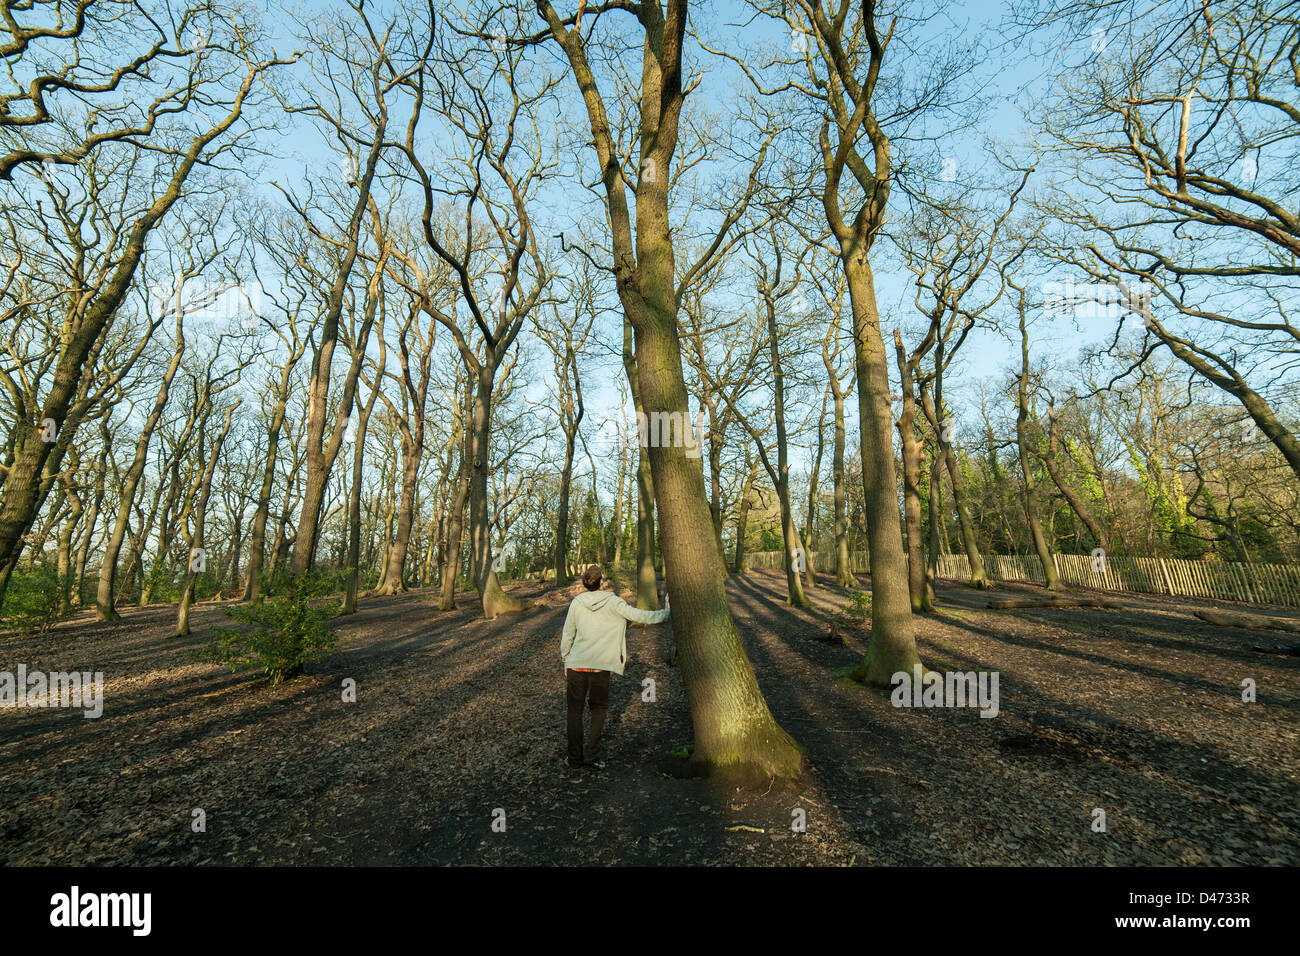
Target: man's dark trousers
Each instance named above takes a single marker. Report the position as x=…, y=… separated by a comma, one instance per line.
x=586, y=687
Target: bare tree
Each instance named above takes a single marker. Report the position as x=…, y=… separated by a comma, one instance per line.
x=733, y=727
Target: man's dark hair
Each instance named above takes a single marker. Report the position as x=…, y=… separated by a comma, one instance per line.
x=592, y=577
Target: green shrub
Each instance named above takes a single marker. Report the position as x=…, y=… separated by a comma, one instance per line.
x=859, y=608
x=284, y=632
x=158, y=581
x=856, y=613
x=205, y=586
x=31, y=602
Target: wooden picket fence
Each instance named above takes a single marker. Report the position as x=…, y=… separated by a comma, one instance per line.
x=1216, y=580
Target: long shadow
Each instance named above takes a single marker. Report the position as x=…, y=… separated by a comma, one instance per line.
x=876, y=809
x=1102, y=659
x=268, y=719
x=1110, y=744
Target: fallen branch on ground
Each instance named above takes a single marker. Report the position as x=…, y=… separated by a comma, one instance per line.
x=1079, y=601
x=1256, y=621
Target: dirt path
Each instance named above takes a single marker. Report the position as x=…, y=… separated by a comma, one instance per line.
x=1137, y=712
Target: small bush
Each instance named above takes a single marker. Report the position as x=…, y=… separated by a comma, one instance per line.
x=859, y=608
x=205, y=586
x=855, y=614
x=280, y=635
x=31, y=602
x=158, y=581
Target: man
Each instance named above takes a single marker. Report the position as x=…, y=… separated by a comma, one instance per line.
x=594, y=643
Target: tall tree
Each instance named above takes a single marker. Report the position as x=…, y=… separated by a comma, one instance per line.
x=734, y=729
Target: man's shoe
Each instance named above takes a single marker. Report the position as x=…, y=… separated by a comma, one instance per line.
x=596, y=764
x=570, y=763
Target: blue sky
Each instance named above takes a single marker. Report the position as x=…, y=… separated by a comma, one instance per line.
x=1012, y=74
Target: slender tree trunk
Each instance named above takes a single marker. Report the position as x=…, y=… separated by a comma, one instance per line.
x=916, y=589
x=647, y=585
x=76, y=508
x=561, y=554
x=455, y=531
x=739, y=563
x=105, y=610
x=843, y=563
x=619, y=522
x=321, y=454
x=979, y=577
x=1052, y=580
x=936, y=522
x=354, y=495
x=495, y=601
x=394, y=570
x=814, y=477
x=1071, y=496
x=196, y=540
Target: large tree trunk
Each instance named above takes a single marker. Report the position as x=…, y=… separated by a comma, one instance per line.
x=734, y=730
x=893, y=641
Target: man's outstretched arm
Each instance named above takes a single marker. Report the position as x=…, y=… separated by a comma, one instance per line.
x=637, y=616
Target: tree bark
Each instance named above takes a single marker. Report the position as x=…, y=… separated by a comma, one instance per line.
x=911, y=446
x=893, y=642
x=647, y=585
x=1051, y=580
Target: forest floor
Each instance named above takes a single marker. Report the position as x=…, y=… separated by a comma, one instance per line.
x=1138, y=712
